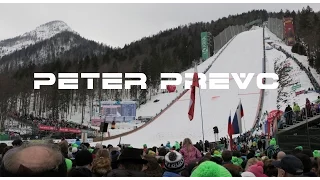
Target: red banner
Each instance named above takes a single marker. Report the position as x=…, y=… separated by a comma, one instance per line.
x=46, y=128
x=300, y=92
x=52, y=128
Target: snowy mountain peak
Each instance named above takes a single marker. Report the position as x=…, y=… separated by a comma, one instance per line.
x=51, y=28
x=42, y=32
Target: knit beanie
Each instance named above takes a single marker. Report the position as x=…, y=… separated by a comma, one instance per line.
x=99, y=146
x=75, y=145
x=247, y=174
x=83, y=158
x=257, y=169
x=316, y=153
x=210, y=169
x=177, y=145
x=152, y=153
x=90, y=150
x=68, y=163
x=236, y=161
x=300, y=148
x=74, y=149
x=273, y=142
x=217, y=153
x=174, y=162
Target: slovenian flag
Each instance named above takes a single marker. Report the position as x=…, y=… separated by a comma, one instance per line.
x=195, y=83
x=236, y=122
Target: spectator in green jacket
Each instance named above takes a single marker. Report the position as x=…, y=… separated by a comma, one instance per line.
x=296, y=110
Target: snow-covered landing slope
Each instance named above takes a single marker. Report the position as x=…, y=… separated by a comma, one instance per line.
x=150, y=108
x=300, y=58
x=275, y=58
x=243, y=55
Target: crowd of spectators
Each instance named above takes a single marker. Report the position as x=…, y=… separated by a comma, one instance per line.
x=30, y=119
x=48, y=159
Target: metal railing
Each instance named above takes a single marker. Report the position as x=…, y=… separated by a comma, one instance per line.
x=262, y=91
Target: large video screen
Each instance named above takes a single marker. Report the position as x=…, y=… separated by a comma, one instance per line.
x=123, y=111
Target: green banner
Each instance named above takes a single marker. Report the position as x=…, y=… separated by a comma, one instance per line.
x=204, y=45
x=295, y=87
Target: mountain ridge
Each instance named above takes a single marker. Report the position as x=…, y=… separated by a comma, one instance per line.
x=40, y=33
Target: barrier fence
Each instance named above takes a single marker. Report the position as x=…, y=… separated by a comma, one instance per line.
x=261, y=97
x=225, y=36
x=276, y=27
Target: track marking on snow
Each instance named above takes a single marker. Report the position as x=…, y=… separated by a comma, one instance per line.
x=233, y=78
x=183, y=99
x=248, y=94
x=213, y=98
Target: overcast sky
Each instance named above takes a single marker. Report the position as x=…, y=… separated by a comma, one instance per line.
x=120, y=24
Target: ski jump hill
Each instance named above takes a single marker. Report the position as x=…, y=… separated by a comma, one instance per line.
x=242, y=54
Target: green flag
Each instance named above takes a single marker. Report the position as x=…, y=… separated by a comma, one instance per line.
x=204, y=45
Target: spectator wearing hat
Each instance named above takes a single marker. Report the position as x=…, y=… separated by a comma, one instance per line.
x=83, y=161
x=152, y=168
x=257, y=169
x=130, y=164
x=289, y=166
x=173, y=164
x=307, y=165
x=17, y=143
x=210, y=169
x=114, y=154
x=247, y=174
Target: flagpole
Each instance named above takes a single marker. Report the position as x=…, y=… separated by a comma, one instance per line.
x=201, y=121
x=203, y=146
x=230, y=135
x=244, y=124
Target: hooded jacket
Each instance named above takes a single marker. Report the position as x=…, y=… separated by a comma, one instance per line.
x=190, y=155
x=296, y=108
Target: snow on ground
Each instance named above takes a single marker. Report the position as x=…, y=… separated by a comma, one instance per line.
x=270, y=95
x=243, y=55
x=297, y=75
x=151, y=108
x=300, y=58
x=148, y=109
